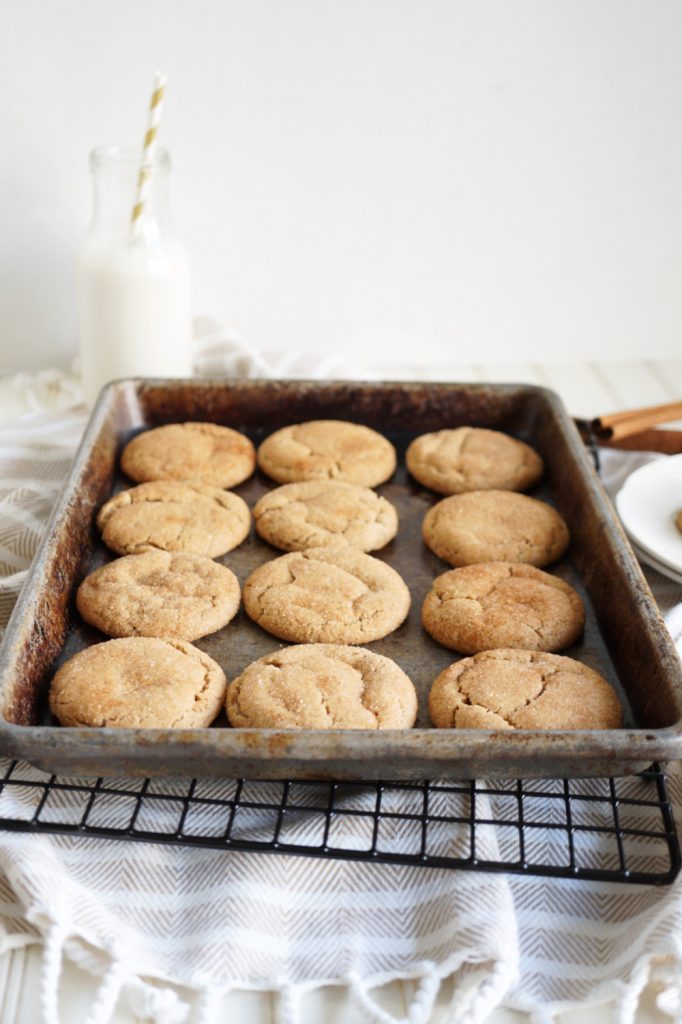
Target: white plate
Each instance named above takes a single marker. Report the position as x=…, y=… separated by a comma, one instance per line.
x=653, y=563
x=647, y=504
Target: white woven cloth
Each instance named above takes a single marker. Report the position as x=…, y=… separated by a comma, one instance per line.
x=148, y=918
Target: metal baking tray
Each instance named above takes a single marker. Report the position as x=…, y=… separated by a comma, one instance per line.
x=625, y=638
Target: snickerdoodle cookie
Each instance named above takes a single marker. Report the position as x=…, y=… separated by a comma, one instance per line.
x=159, y=593
x=510, y=689
x=331, y=595
x=322, y=686
x=495, y=526
x=327, y=450
x=139, y=682
x=201, y=452
x=320, y=512
x=472, y=459
x=170, y=515
x=502, y=604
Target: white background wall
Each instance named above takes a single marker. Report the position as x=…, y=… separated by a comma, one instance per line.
x=393, y=178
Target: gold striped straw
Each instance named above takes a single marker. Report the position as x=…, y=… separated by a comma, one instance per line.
x=148, y=151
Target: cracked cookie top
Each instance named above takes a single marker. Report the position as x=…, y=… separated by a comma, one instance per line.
x=472, y=459
x=322, y=686
x=502, y=604
x=327, y=450
x=138, y=682
x=510, y=689
x=161, y=594
x=331, y=595
x=169, y=515
x=201, y=452
x=495, y=526
x=321, y=512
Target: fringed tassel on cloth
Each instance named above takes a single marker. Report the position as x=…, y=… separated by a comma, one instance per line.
x=420, y=1008
x=53, y=956
x=107, y=994
x=160, y=1005
x=485, y=996
x=53, y=950
x=425, y=996
x=150, y=1002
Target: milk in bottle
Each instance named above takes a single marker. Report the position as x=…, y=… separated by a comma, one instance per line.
x=134, y=289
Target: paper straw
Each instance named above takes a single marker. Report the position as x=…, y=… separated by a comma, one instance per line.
x=148, y=151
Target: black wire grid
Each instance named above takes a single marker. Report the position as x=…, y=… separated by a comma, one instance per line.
x=619, y=830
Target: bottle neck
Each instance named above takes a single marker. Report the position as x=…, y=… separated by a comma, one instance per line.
x=115, y=173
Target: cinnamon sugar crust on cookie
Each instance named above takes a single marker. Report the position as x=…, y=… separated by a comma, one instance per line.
x=472, y=459
x=199, y=452
x=327, y=595
x=327, y=450
x=495, y=526
x=159, y=594
x=322, y=686
x=316, y=513
x=502, y=604
x=169, y=515
x=511, y=689
x=139, y=682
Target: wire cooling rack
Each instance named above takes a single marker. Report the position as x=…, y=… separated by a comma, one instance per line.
x=619, y=830
x=613, y=830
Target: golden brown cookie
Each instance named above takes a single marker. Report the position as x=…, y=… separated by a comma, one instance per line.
x=169, y=515
x=333, y=595
x=495, y=526
x=678, y=520
x=327, y=450
x=159, y=593
x=200, y=452
x=472, y=459
x=322, y=686
x=509, y=689
x=139, y=682
x=502, y=604
x=316, y=513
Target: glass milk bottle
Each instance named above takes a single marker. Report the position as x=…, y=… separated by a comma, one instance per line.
x=133, y=289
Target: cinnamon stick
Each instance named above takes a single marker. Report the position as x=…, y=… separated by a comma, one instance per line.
x=618, y=425
x=667, y=441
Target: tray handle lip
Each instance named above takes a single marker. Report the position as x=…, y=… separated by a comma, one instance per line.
x=619, y=544
x=590, y=743
x=26, y=602
x=26, y=598
x=134, y=384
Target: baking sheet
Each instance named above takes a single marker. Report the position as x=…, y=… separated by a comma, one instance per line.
x=616, y=605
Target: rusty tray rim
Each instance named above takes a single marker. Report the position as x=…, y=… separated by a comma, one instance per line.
x=639, y=746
